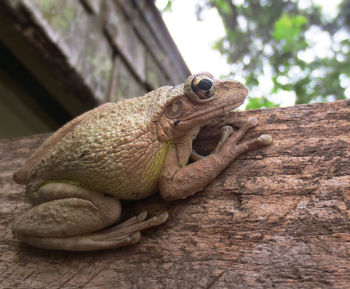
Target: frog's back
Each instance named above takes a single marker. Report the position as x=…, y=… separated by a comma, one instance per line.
x=115, y=150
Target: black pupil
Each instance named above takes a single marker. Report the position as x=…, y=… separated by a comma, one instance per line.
x=205, y=84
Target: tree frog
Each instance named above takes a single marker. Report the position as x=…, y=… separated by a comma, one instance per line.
x=127, y=151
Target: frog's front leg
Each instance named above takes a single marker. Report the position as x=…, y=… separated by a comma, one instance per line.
x=68, y=217
x=178, y=181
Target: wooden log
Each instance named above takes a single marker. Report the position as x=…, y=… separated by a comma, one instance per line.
x=278, y=217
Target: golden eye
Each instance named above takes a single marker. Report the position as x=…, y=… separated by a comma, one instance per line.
x=203, y=86
x=174, y=109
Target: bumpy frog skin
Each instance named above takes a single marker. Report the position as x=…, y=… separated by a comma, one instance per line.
x=126, y=151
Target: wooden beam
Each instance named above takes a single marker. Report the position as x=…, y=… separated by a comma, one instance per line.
x=277, y=217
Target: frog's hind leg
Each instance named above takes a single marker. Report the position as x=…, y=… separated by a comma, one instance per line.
x=68, y=217
x=124, y=234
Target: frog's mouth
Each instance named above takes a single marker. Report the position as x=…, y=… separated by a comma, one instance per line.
x=204, y=116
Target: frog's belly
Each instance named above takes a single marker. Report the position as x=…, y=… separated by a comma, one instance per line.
x=134, y=179
x=135, y=186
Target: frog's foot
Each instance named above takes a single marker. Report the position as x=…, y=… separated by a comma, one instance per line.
x=124, y=234
x=229, y=147
x=226, y=133
x=135, y=224
x=231, y=150
x=81, y=243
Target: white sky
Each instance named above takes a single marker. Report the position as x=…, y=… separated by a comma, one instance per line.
x=195, y=40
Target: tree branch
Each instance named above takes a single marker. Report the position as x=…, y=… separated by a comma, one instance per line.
x=278, y=216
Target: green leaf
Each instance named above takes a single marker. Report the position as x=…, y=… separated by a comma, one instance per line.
x=260, y=102
x=288, y=30
x=168, y=6
x=223, y=6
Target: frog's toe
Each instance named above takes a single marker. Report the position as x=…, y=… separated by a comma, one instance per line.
x=132, y=225
x=252, y=122
x=142, y=216
x=265, y=139
x=123, y=241
x=226, y=131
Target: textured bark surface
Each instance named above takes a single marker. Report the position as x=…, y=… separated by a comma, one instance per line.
x=278, y=217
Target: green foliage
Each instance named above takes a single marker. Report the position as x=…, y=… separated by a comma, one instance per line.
x=277, y=42
x=278, y=36
x=223, y=6
x=259, y=102
x=287, y=29
x=168, y=6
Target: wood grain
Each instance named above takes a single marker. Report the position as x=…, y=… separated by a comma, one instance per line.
x=277, y=217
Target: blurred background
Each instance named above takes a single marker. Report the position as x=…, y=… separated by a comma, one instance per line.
x=59, y=58
x=287, y=52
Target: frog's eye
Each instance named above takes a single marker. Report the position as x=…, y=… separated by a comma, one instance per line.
x=200, y=87
x=203, y=86
x=174, y=109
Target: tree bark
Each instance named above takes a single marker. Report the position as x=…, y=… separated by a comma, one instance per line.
x=278, y=217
